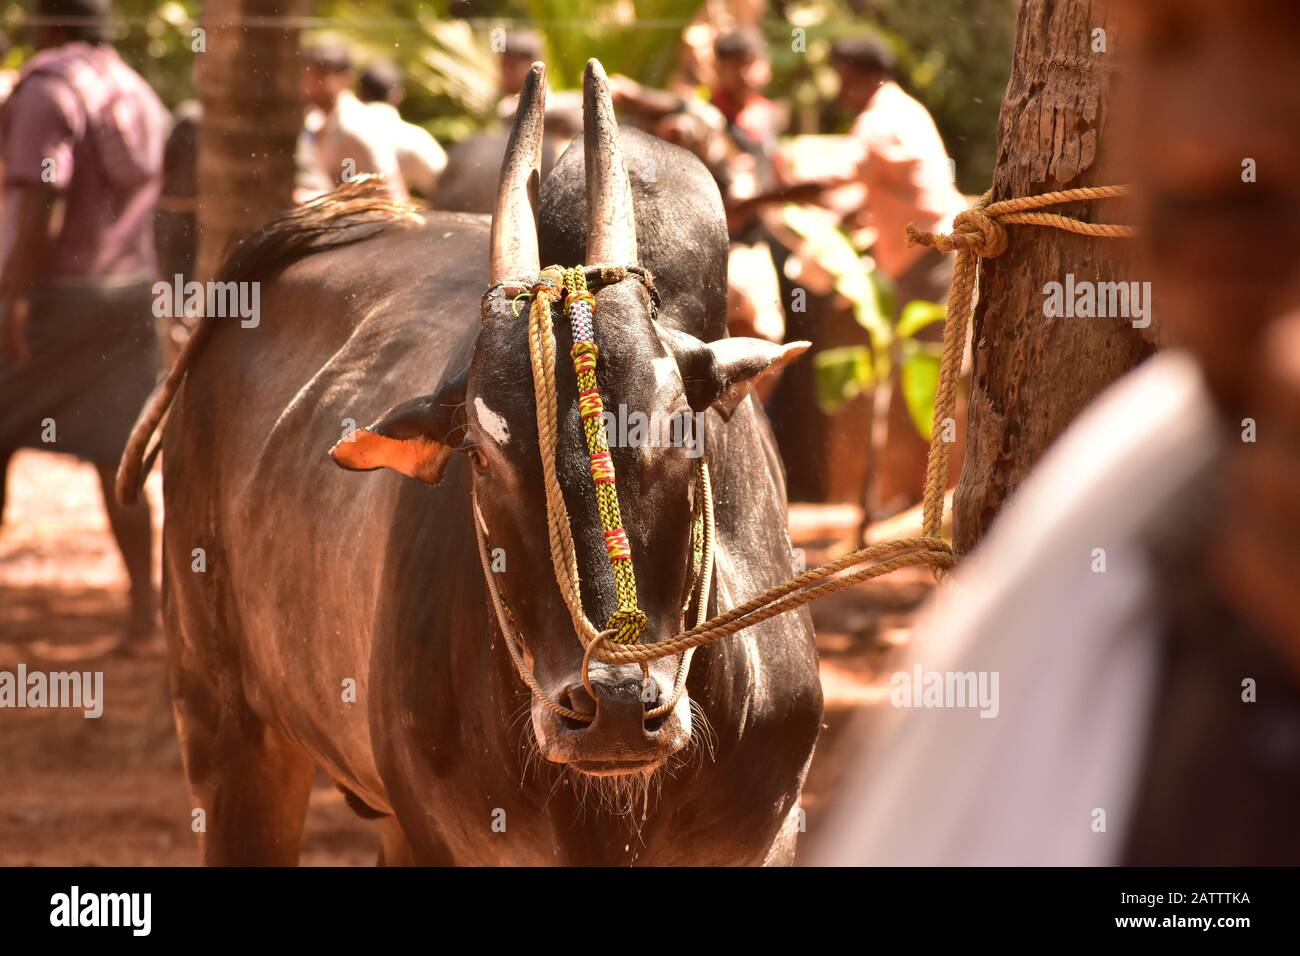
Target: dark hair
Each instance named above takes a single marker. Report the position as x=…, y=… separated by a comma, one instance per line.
x=868, y=54
x=85, y=20
x=743, y=43
x=328, y=57
x=379, y=82
x=523, y=43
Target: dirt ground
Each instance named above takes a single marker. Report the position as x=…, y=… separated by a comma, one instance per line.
x=111, y=792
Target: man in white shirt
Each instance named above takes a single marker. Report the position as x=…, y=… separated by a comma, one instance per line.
x=350, y=140
x=1135, y=610
x=419, y=156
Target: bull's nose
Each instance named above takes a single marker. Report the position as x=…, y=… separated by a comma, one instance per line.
x=618, y=710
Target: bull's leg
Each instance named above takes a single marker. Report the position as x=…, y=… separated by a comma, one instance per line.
x=251, y=784
x=132, y=527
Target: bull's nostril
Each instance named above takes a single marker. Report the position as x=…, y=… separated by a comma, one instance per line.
x=617, y=709
x=577, y=699
x=653, y=724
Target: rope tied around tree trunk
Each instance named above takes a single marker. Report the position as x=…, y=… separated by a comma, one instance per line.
x=978, y=233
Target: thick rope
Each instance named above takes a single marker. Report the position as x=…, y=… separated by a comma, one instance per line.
x=704, y=581
x=978, y=233
x=541, y=350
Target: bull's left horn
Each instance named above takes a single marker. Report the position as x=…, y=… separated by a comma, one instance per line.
x=513, y=247
x=611, y=226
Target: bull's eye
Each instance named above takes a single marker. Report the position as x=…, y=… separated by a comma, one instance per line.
x=476, y=457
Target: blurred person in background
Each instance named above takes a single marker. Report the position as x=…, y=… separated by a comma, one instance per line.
x=904, y=166
x=908, y=178
x=734, y=135
x=741, y=74
x=82, y=139
x=419, y=156
x=346, y=137
x=904, y=176
x=522, y=49
x=1138, y=598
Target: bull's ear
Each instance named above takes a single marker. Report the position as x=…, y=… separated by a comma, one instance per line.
x=415, y=438
x=720, y=374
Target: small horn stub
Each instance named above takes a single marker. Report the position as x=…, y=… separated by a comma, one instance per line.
x=514, y=253
x=611, y=226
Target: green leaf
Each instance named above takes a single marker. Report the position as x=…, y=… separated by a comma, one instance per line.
x=917, y=314
x=833, y=251
x=920, y=376
x=841, y=375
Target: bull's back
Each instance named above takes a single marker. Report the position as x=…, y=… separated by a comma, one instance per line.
x=298, y=547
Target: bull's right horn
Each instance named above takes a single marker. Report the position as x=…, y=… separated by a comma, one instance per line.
x=514, y=253
x=611, y=226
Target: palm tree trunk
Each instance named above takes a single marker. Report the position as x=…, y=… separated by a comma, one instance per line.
x=248, y=83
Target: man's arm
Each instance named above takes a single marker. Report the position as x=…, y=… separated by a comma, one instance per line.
x=45, y=120
x=630, y=95
x=31, y=207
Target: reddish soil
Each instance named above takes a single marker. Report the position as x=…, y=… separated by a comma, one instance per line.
x=111, y=791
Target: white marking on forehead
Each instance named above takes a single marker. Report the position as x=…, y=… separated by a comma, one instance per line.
x=497, y=428
x=667, y=374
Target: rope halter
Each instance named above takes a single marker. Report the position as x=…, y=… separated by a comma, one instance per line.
x=628, y=622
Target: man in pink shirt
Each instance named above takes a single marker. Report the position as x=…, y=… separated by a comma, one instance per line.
x=82, y=139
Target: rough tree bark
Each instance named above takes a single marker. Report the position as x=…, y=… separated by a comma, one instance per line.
x=1032, y=375
x=248, y=83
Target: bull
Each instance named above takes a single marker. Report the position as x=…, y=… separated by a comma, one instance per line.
x=342, y=621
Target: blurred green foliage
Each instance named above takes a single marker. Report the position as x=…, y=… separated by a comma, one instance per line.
x=954, y=55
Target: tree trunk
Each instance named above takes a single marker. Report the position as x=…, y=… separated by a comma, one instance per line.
x=1033, y=374
x=248, y=82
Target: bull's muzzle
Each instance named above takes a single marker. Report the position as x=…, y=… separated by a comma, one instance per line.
x=620, y=737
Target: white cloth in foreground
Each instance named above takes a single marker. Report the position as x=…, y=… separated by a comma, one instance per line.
x=1075, y=652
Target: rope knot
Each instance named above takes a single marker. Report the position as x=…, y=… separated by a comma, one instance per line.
x=550, y=283
x=628, y=624
x=972, y=229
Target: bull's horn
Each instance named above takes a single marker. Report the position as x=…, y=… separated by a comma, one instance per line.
x=611, y=227
x=514, y=252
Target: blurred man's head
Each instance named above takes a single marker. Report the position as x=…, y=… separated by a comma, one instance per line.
x=57, y=22
x=1216, y=150
x=862, y=63
x=741, y=63
x=381, y=82
x=327, y=71
x=523, y=48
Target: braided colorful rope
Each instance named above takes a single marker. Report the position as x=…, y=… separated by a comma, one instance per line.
x=629, y=621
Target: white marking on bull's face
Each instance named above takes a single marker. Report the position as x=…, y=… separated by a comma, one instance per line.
x=494, y=425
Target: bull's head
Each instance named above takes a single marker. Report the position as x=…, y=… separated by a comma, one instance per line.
x=649, y=374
